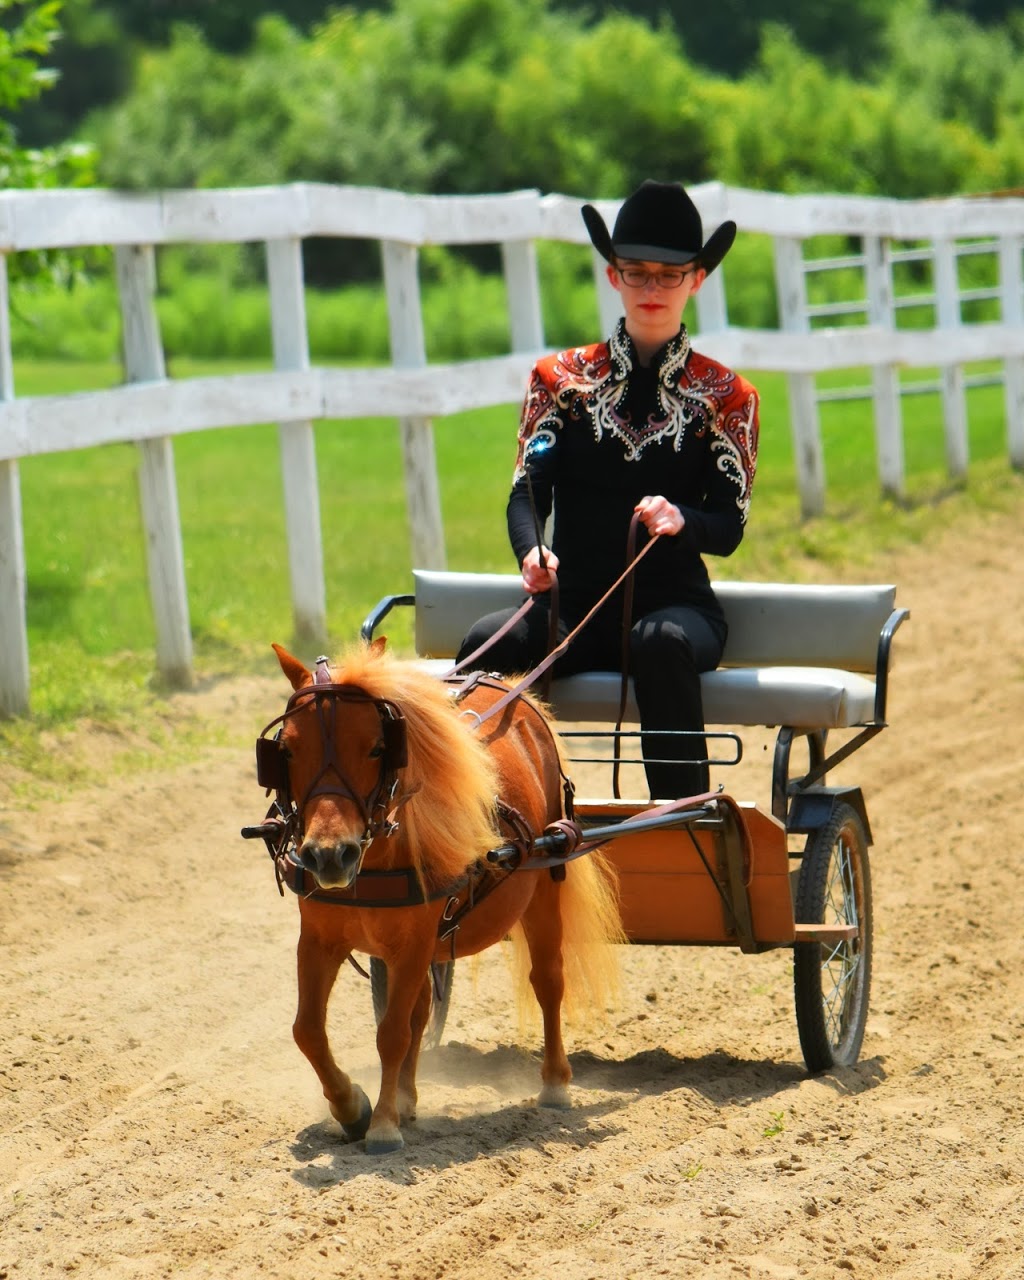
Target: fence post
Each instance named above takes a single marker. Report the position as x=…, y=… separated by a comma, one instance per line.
x=144, y=362
x=14, y=671
x=885, y=378
x=712, y=315
x=409, y=351
x=609, y=304
x=803, y=404
x=1011, y=286
x=526, y=316
x=954, y=399
x=298, y=447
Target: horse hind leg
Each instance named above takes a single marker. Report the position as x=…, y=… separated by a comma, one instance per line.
x=556, y=1073
x=544, y=939
x=317, y=970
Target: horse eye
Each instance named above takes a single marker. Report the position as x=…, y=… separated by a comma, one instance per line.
x=377, y=751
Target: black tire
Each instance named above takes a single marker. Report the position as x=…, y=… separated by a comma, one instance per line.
x=832, y=981
x=441, y=977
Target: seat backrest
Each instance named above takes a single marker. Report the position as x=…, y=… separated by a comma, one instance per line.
x=447, y=605
x=770, y=623
x=797, y=624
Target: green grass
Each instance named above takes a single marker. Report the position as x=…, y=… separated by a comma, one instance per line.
x=91, y=637
x=776, y=1125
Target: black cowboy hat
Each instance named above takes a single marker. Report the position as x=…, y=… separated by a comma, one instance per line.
x=659, y=223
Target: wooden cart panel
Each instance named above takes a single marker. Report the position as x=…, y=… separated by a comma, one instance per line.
x=667, y=895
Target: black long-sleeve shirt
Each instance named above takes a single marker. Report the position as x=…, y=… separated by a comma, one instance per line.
x=599, y=432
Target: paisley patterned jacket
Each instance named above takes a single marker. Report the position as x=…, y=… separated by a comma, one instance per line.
x=599, y=432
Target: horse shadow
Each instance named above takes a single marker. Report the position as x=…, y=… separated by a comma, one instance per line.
x=510, y=1121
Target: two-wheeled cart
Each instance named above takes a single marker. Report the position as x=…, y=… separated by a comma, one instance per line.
x=811, y=662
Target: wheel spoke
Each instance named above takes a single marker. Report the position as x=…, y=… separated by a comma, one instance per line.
x=832, y=979
x=840, y=967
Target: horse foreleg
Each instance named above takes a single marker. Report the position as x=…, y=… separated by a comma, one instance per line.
x=398, y=1044
x=317, y=970
x=548, y=982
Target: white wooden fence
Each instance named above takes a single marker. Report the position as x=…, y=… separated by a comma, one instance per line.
x=151, y=409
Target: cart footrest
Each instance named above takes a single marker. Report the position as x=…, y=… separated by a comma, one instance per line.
x=829, y=933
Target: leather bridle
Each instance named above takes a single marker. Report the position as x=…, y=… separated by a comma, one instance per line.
x=375, y=808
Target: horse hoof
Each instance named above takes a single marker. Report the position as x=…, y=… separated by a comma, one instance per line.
x=555, y=1097
x=382, y=1145
x=357, y=1128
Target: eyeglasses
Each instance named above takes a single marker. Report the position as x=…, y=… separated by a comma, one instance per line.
x=669, y=278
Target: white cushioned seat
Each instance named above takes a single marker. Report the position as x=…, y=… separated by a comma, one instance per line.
x=797, y=654
x=803, y=697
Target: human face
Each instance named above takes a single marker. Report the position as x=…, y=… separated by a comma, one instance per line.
x=654, y=312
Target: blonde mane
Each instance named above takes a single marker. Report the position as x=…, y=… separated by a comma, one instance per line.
x=449, y=820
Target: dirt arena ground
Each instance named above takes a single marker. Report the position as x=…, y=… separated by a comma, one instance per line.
x=156, y=1119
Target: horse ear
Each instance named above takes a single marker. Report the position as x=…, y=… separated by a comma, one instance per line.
x=378, y=646
x=292, y=667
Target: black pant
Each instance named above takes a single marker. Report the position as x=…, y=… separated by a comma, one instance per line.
x=669, y=648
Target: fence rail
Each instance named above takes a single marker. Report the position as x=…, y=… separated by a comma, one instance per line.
x=151, y=409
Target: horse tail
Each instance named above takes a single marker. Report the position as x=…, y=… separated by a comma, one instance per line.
x=591, y=928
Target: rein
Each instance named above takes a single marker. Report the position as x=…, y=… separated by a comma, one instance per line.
x=541, y=668
x=627, y=624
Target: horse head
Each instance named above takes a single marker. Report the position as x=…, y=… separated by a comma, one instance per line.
x=343, y=749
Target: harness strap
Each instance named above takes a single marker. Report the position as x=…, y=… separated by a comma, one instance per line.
x=398, y=887
x=463, y=685
x=401, y=887
x=522, y=835
x=483, y=885
x=454, y=914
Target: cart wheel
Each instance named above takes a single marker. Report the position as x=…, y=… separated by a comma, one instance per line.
x=441, y=976
x=832, y=980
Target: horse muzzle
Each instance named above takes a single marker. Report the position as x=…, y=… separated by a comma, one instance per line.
x=334, y=864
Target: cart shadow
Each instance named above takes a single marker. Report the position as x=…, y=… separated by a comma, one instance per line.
x=720, y=1077
x=459, y=1131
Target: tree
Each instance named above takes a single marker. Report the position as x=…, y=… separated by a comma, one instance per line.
x=289, y=110
x=488, y=95
x=89, y=65
x=27, y=33
x=956, y=69
x=725, y=36
x=566, y=124
x=987, y=12
x=795, y=125
x=228, y=25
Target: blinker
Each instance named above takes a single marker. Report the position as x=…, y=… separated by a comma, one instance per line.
x=396, y=752
x=271, y=764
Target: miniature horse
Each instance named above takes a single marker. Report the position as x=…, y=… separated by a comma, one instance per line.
x=432, y=809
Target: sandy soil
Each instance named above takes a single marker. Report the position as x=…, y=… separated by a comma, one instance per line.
x=157, y=1120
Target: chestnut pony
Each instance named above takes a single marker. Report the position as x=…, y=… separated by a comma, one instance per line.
x=365, y=806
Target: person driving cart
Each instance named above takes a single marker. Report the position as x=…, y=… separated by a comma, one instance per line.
x=640, y=423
